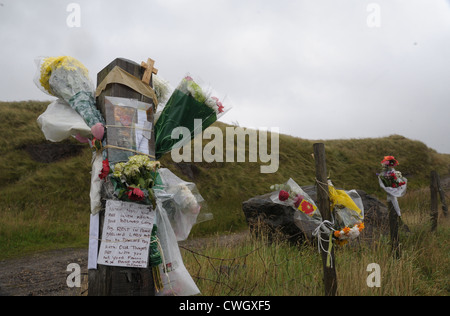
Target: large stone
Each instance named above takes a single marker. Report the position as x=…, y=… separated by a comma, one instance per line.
x=277, y=219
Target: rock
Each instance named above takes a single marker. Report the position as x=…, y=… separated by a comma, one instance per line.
x=189, y=170
x=260, y=211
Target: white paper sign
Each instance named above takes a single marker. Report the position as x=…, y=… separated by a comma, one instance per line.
x=143, y=131
x=126, y=235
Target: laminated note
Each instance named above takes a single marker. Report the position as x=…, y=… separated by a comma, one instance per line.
x=126, y=235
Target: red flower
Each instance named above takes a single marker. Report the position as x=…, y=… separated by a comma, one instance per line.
x=390, y=161
x=106, y=169
x=135, y=194
x=283, y=196
x=306, y=207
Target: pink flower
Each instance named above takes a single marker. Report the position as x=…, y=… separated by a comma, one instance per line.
x=219, y=104
x=98, y=131
x=283, y=196
x=298, y=199
x=82, y=139
x=188, y=78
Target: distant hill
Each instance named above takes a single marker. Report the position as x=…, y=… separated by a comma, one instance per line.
x=44, y=187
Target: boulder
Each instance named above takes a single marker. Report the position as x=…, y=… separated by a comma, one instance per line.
x=260, y=212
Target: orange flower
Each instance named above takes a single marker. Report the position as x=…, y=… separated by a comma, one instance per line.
x=346, y=230
x=337, y=234
x=361, y=227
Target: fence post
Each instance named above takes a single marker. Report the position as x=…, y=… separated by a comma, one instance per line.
x=393, y=229
x=120, y=281
x=434, y=200
x=323, y=201
x=442, y=195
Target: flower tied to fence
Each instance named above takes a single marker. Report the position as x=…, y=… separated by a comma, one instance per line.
x=392, y=181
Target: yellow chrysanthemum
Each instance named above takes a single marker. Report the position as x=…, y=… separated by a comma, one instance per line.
x=51, y=63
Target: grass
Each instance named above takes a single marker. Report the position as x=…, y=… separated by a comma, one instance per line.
x=45, y=206
x=253, y=267
x=42, y=206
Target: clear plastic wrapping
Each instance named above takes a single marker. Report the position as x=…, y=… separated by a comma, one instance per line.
x=66, y=78
x=175, y=278
x=190, y=101
x=183, y=203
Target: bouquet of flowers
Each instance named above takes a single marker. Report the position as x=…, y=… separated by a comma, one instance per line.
x=389, y=176
x=347, y=211
x=343, y=236
x=66, y=78
x=392, y=181
x=133, y=181
x=291, y=194
x=187, y=103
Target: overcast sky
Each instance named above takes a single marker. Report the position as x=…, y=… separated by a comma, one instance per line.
x=316, y=69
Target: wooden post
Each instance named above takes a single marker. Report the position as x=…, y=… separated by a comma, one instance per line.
x=323, y=200
x=119, y=281
x=442, y=195
x=393, y=229
x=434, y=200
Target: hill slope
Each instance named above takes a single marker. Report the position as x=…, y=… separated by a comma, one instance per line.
x=45, y=205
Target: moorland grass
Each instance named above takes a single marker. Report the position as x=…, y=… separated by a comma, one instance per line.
x=45, y=206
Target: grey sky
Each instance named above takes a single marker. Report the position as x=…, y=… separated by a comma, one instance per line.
x=287, y=64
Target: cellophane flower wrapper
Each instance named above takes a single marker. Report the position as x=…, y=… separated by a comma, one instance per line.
x=394, y=193
x=60, y=122
x=346, y=217
x=188, y=102
x=183, y=203
x=175, y=277
x=306, y=222
x=66, y=78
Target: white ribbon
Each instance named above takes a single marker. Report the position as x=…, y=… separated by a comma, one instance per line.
x=325, y=227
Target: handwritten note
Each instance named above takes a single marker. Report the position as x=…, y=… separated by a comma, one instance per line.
x=126, y=235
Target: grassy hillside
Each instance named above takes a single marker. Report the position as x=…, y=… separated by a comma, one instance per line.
x=46, y=205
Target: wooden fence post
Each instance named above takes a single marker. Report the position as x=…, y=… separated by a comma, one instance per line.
x=434, y=200
x=323, y=200
x=442, y=195
x=393, y=229
x=119, y=281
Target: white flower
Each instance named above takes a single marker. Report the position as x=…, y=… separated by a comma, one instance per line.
x=354, y=232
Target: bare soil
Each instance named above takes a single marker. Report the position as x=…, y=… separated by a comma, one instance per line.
x=45, y=274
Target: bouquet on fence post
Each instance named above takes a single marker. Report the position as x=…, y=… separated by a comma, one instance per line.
x=347, y=211
x=187, y=103
x=66, y=78
x=132, y=181
x=392, y=181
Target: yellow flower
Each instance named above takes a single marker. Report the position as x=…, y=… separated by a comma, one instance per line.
x=51, y=63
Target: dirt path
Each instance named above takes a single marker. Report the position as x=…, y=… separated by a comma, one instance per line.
x=42, y=274
x=45, y=274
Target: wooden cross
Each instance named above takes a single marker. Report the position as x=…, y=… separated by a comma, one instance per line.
x=149, y=70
